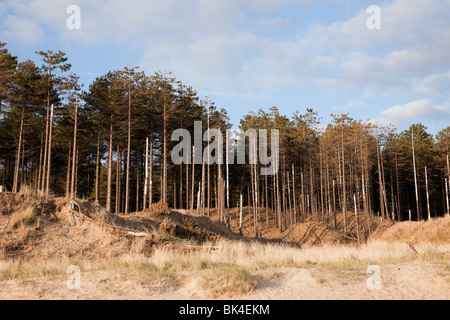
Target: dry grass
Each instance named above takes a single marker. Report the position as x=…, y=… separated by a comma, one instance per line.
x=16, y=270
x=237, y=267
x=228, y=281
x=157, y=211
x=23, y=218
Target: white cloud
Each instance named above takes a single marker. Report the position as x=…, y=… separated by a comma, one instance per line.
x=434, y=86
x=223, y=45
x=22, y=29
x=416, y=111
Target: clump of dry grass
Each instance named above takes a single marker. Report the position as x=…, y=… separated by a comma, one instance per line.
x=15, y=269
x=7, y=209
x=228, y=281
x=157, y=211
x=27, y=191
x=188, y=229
x=23, y=218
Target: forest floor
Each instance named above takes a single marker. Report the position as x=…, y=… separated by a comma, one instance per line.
x=163, y=254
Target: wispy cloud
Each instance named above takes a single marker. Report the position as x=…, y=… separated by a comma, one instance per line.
x=416, y=111
x=227, y=46
x=23, y=29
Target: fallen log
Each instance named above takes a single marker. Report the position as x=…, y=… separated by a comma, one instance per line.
x=130, y=232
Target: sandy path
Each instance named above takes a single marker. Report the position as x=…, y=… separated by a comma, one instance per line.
x=410, y=281
x=415, y=280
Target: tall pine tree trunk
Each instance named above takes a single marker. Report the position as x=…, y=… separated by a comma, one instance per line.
x=118, y=175
x=419, y=215
x=97, y=171
x=109, y=180
x=44, y=164
x=49, y=160
x=164, y=162
x=127, y=182
x=72, y=186
x=146, y=176
x=69, y=169
x=17, y=164
x=344, y=189
x=428, y=195
x=150, y=172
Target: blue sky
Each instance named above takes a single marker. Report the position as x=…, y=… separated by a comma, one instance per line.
x=255, y=54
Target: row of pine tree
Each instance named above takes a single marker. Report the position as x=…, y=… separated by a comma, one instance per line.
x=111, y=143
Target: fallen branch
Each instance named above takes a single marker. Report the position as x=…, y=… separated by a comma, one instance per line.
x=413, y=249
x=130, y=232
x=312, y=230
x=335, y=236
x=202, y=247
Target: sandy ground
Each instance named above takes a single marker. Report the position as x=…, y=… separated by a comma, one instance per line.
x=52, y=238
x=409, y=281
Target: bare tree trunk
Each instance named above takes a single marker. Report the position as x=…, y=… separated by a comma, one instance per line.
x=49, y=158
x=17, y=164
x=44, y=164
x=41, y=149
x=448, y=169
x=334, y=204
x=109, y=180
x=164, y=162
x=240, y=213
x=321, y=182
x=303, y=197
x=118, y=175
x=209, y=166
x=180, y=199
x=384, y=185
x=146, y=175
x=363, y=188
x=267, y=203
x=228, y=180
x=74, y=164
x=97, y=171
x=294, y=192
x=254, y=197
x=187, y=185
x=202, y=211
x=380, y=181
x=127, y=182
x=399, y=210
x=198, y=198
x=290, y=207
x=69, y=167
x=256, y=194
x=138, y=173
x=193, y=178
x=76, y=174
x=174, y=189
x=220, y=192
x=216, y=191
x=415, y=179
x=446, y=195
x=357, y=219
x=447, y=185
x=311, y=188
x=392, y=196
x=428, y=195
x=150, y=172
x=280, y=226
x=202, y=208
x=328, y=196
x=344, y=199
